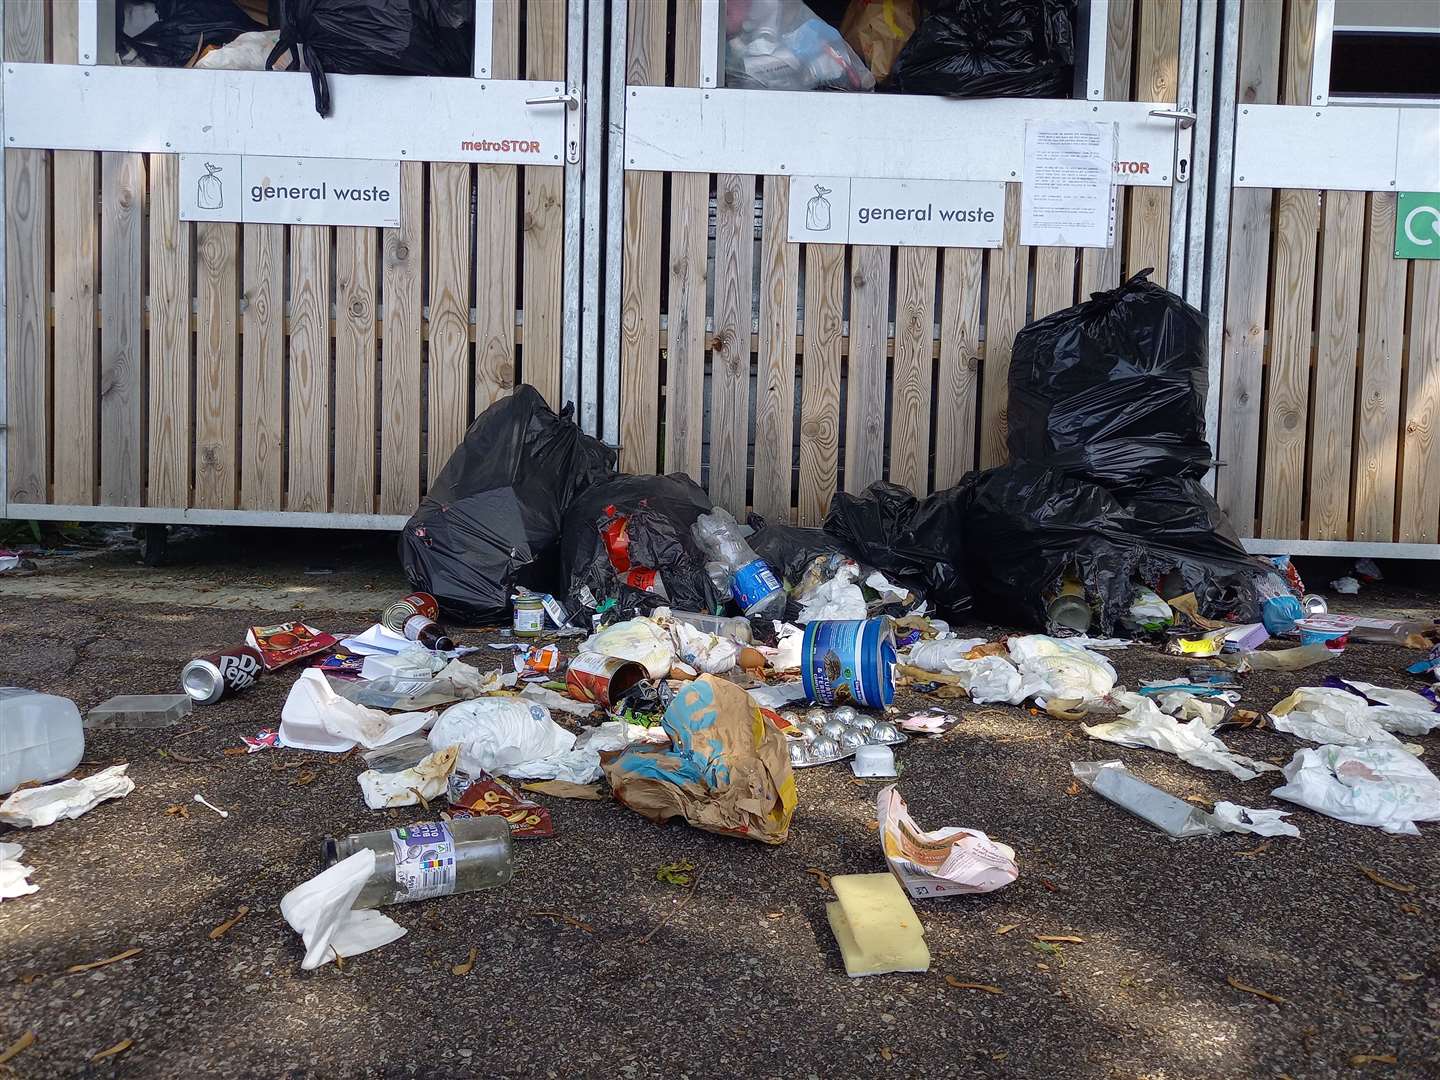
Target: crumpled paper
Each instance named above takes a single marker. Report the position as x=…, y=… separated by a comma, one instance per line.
x=642, y=640
x=316, y=718
x=945, y=862
x=1040, y=666
x=504, y=735
x=1376, y=784
x=429, y=778
x=34, y=807
x=1231, y=817
x=728, y=771
x=704, y=652
x=1336, y=717
x=320, y=912
x=837, y=598
x=1143, y=724
x=13, y=873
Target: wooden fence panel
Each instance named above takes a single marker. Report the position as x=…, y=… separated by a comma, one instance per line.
x=449, y=311
x=1157, y=63
x=775, y=379
x=309, y=387
x=496, y=218
x=400, y=351
x=262, y=363
x=122, y=330
x=914, y=370
x=1381, y=346
x=1420, y=477
x=1009, y=272
x=730, y=388
x=216, y=375
x=820, y=379
x=867, y=378
x=169, y=374
x=355, y=257
x=960, y=360
x=544, y=229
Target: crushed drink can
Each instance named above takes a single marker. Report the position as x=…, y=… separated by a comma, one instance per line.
x=394, y=617
x=221, y=675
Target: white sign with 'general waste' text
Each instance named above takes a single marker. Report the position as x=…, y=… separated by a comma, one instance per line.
x=914, y=213
x=289, y=191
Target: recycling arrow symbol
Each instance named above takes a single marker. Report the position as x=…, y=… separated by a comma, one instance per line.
x=1410, y=222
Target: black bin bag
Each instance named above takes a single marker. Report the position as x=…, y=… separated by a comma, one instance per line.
x=375, y=37
x=628, y=539
x=918, y=543
x=492, y=518
x=183, y=29
x=989, y=48
x=1028, y=526
x=1113, y=389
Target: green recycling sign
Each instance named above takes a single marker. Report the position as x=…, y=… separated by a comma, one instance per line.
x=1417, y=225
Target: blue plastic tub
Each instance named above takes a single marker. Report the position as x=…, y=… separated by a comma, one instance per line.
x=849, y=662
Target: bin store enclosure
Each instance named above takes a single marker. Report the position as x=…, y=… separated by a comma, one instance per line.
x=159, y=370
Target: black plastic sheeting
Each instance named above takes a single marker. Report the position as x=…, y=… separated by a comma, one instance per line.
x=989, y=48
x=183, y=28
x=624, y=530
x=375, y=37
x=492, y=518
x=1113, y=389
x=916, y=542
x=1027, y=525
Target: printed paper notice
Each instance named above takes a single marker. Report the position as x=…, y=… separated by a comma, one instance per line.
x=1065, y=197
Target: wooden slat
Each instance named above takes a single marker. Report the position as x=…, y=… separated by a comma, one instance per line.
x=308, y=487
x=687, y=45
x=1005, y=315
x=27, y=286
x=1377, y=434
x=1157, y=61
x=169, y=301
x=544, y=229
x=1299, y=57
x=449, y=311
x=1100, y=267
x=640, y=320
x=262, y=359
x=685, y=353
x=355, y=251
x=910, y=391
x=1287, y=393
x=216, y=371
x=400, y=354
x=1246, y=287
x=820, y=379
x=730, y=384
x=1054, y=280
x=865, y=378
x=122, y=329
x=496, y=188
x=76, y=251
x=775, y=370
x=1420, y=475
x=958, y=398
x=1332, y=411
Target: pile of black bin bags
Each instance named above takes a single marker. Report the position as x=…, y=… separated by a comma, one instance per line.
x=1107, y=440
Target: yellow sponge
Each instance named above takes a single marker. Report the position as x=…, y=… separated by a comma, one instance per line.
x=876, y=928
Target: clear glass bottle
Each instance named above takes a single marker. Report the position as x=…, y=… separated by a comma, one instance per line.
x=430, y=858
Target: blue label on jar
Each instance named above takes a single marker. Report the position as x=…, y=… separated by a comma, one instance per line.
x=753, y=583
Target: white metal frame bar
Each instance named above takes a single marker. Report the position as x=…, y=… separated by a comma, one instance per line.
x=4, y=309
x=1185, y=138
x=1345, y=147
x=1092, y=32
x=1324, y=42
x=484, y=38
x=1217, y=231
x=1202, y=157
x=592, y=179
x=614, y=219
x=573, y=253
x=712, y=43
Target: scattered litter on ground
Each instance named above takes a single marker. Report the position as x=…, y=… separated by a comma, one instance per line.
x=1176, y=817
x=38, y=806
x=945, y=862
x=876, y=928
x=1374, y=784
x=13, y=873
x=229, y=924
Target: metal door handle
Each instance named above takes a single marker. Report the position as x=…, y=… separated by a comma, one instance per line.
x=570, y=101
x=1181, y=117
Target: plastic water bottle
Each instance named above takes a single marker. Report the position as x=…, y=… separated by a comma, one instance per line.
x=431, y=858
x=41, y=737
x=725, y=626
x=753, y=585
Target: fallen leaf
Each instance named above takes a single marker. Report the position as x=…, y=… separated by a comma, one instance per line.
x=1384, y=882
x=1074, y=788
x=1373, y=1059
x=1198, y=800
x=236, y=751
x=1410, y=909
x=1000, y=1056
x=179, y=810
x=1049, y=886
x=307, y=776
x=1244, y=988
x=1044, y=947
x=75, y=969
x=821, y=878
x=173, y=756
x=30, y=976
x=1008, y=927
x=339, y=960
x=118, y=1048
x=873, y=826
x=676, y=873
x=1060, y=939
x=229, y=924
x=985, y=987
x=1411, y=977
x=885, y=1053
x=1251, y=852
x=19, y=1046
x=564, y=789
x=467, y=965
x=423, y=801
x=774, y=914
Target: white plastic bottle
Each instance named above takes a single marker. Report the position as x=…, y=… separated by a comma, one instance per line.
x=753, y=585
x=41, y=737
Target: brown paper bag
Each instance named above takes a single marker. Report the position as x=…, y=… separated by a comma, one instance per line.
x=878, y=30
